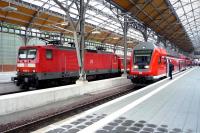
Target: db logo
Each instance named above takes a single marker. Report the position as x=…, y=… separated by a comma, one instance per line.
x=91, y=61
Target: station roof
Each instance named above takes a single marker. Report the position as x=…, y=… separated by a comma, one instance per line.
x=45, y=15
x=188, y=12
x=161, y=16
x=175, y=20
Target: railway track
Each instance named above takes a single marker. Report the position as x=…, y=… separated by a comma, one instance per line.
x=83, y=105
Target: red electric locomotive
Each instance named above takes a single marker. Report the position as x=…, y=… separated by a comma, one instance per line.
x=150, y=62
x=39, y=64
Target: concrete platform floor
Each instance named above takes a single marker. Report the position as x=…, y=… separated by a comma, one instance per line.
x=30, y=113
x=166, y=106
x=5, y=77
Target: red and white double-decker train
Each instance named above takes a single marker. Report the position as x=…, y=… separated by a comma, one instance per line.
x=150, y=62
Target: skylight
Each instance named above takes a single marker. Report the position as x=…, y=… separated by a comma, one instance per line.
x=93, y=17
x=188, y=12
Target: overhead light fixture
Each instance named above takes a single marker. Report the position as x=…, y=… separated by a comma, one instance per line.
x=65, y=23
x=115, y=38
x=9, y=8
x=129, y=41
x=96, y=32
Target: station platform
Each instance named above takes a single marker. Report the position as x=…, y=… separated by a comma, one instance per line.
x=166, y=106
x=5, y=77
x=41, y=103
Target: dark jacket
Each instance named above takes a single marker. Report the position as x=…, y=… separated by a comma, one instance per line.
x=171, y=67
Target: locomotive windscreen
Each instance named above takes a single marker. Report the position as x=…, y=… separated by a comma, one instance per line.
x=142, y=58
x=27, y=53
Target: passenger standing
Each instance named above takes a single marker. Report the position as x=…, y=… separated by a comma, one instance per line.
x=171, y=69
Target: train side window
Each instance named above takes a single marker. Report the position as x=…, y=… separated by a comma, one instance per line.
x=49, y=54
x=159, y=60
x=163, y=60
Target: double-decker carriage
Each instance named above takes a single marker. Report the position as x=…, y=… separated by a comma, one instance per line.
x=150, y=62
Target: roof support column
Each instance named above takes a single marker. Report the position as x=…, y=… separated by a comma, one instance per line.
x=125, y=30
x=145, y=34
x=78, y=27
x=125, y=22
x=165, y=43
x=114, y=49
x=26, y=37
x=162, y=40
x=82, y=74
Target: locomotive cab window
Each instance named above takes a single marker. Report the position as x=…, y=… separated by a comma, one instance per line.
x=142, y=59
x=22, y=54
x=49, y=54
x=27, y=53
x=142, y=56
x=31, y=53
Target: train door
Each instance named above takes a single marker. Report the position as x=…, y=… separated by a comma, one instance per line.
x=162, y=65
x=114, y=63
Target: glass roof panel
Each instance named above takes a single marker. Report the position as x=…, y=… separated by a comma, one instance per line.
x=188, y=12
x=99, y=15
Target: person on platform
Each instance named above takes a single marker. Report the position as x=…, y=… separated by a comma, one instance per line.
x=171, y=69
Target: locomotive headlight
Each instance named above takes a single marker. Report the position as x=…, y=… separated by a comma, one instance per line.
x=146, y=66
x=20, y=64
x=34, y=70
x=31, y=65
x=135, y=66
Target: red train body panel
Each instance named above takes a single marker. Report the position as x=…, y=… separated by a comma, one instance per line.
x=37, y=63
x=150, y=62
x=121, y=63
